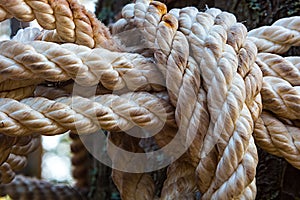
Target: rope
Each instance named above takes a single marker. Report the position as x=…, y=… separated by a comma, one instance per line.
x=281, y=98
x=206, y=62
x=181, y=181
x=86, y=66
x=286, y=68
x=277, y=38
x=80, y=162
x=14, y=153
x=278, y=138
x=81, y=115
x=27, y=188
x=130, y=185
x=71, y=21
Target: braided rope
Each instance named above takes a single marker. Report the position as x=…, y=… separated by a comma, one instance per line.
x=278, y=138
x=110, y=112
x=27, y=188
x=71, y=21
x=86, y=66
x=277, y=38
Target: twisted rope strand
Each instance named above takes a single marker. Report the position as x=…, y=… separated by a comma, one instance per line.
x=80, y=162
x=110, y=112
x=278, y=138
x=277, y=38
x=26, y=188
x=281, y=98
x=287, y=68
x=71, y=21
x=55, y=62
x=181, y=181
x=132, y=186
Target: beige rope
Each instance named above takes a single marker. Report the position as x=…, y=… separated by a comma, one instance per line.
x=277, y=38
x=87, y=67
x=278, y=138
x=110, y=112
x=132, y=186
x=27, y=188
x=287, y=68
x=139, y=20
x=193, y=23
x=280, y=97
x=71, y=21
x=181, y=181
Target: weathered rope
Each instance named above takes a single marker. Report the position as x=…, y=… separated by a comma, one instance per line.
x=27, y=188
x=86, y=66
x=278, y=138
x=277, y=38
x=71, y=21
x=81, y=115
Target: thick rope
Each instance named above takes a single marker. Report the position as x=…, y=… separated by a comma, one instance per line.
x=278, y=138
x=197, y=40
x=181, y=181
x=139, y=20
x=132, y=186
x=281, y=98
x=286, y=68
x=71, y=21
x=277, y=38
x=14, y=153
x=86, y=66
x=81, y=115
x=28, y=188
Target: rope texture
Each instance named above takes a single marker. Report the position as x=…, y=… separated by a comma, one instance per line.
x=204, y=58
x=38, y=190
x=277, y=38
x=70, y=21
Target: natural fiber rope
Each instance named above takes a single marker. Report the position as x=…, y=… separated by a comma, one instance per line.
x=165, y=47
x=277, y=38
x=71, y=21
x=206, y=60
x=181, y=181
x=14, y=153
x=278, y=138
x=199, y=40
x=28, y=188
x=131, y=186
x=80, y=162
x=86, y=66
x=110, y=112
x=280, y=97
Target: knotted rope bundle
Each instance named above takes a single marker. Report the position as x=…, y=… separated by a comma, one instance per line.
x=215, y=82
